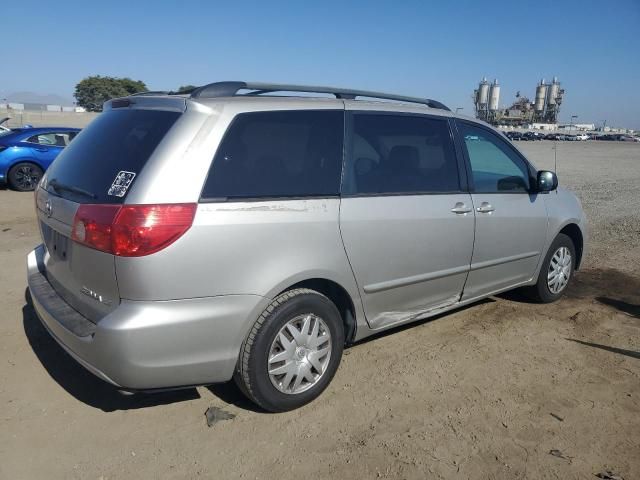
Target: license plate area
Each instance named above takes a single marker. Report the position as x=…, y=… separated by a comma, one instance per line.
x=56, y=243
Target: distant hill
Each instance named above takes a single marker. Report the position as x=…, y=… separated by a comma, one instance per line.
x=31, y=97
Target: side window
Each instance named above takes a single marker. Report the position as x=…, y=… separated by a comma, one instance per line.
x=278, y=154
x=495, y=166
x=52, y=139
x=400, y=154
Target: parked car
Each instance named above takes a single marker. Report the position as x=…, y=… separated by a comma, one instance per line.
x=25, y=153
x=285, y=239
x=532, y=136
x=514, y=136
x=554, y=136
x=628, y=138
x=582, y=137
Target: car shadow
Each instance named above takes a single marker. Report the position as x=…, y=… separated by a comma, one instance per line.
x=78, y=381
x=620, y=351
x=627, y=308
x=231, y=394
x=516, y=295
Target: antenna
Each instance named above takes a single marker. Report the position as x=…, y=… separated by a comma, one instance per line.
x=555, y=156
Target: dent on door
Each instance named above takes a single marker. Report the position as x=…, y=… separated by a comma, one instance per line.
x=410, y=254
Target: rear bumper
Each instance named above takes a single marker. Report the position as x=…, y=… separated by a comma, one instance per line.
x=149, y=345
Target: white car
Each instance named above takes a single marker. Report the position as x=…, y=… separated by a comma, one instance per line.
x=582, y=136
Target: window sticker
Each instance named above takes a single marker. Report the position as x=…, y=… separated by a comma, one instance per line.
x=121, y=184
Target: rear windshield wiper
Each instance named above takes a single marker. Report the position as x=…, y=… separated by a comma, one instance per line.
x=57, y=186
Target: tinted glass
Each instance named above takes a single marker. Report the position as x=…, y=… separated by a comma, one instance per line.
x=278, y=154
x=400, y=154
x=116, y=141
x=57, y=139
x=496, y=167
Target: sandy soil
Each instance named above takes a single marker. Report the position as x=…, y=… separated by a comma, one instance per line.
x=501, y=389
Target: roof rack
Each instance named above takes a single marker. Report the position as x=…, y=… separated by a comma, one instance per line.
x=230, y=89
x=151, y=92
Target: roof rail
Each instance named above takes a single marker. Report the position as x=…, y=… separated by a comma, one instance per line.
x=230, y=89
x=150, y=92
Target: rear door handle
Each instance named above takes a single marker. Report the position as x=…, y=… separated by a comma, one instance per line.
x=461, y=208
x=485, y=207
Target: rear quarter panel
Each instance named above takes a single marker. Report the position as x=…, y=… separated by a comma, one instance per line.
x=256, y=248
x=14, y=155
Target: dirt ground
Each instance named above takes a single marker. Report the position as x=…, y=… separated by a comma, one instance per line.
x=501, y=389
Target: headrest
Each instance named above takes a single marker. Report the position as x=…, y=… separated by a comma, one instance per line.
x=363, y=166
x=403, y=158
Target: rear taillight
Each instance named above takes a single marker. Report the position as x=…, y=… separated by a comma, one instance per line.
x=131, y=230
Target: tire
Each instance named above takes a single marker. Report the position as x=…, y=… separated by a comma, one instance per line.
x=542, y=292
x=24, y=176
x=271, y=345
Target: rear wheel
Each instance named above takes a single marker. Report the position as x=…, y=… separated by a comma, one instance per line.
x=24, y=176
x=556, y=271
x=292, y=351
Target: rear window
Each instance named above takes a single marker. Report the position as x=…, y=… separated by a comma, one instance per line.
x=103, y=161
x=278, y=154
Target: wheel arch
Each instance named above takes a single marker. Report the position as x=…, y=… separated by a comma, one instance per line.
x=16, y=161
x=572, y=230
x=10, y=165
x=338, y=295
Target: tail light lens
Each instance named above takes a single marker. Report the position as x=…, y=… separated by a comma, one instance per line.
x=131, y=230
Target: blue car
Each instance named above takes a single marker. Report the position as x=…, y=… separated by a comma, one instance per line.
x=25, y=153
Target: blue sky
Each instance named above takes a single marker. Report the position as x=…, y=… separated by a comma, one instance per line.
x=438, y=50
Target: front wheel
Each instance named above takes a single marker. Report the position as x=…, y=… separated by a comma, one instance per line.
x=24, y=176
x=292, y=351
x=556, y=271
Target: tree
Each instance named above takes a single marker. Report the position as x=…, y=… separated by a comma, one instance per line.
x=186, y=88
x=92, y=92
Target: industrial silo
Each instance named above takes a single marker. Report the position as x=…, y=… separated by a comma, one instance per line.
x=553, y=91
x=483, y=92
x=494, y=96
x=541, y=93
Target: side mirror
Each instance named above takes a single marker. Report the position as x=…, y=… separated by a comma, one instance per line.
x=547, y=181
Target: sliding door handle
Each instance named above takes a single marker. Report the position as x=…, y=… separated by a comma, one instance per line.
x=461, y=208
x=485, y=207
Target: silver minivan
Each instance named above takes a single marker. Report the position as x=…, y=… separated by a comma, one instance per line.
x=237, y=232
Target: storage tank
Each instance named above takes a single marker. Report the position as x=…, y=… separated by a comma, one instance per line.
x=541, y=93
x=553, y=91
x=483, y=92
x=494, y=95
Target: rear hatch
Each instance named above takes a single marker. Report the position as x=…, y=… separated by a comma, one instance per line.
x=97, y=168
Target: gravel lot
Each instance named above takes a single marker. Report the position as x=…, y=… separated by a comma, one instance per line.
x=501, y=389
